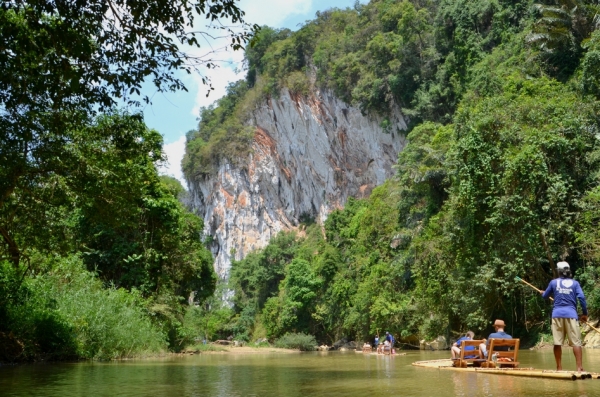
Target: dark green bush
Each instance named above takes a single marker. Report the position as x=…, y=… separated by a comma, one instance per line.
x=298, y=341
x=68, y=314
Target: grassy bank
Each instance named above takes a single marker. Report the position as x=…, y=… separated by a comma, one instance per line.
x=66, y=314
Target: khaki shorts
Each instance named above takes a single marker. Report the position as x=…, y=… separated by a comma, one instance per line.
x=568, y=327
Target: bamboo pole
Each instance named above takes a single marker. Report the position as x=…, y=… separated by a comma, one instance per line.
x=531, y=285
x=592, y=327
x=532, y=374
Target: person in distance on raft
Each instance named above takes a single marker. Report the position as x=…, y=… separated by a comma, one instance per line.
x=388, y=343
x=456, y=345
x=389, y=338
x=566, y=292
x=498, y=334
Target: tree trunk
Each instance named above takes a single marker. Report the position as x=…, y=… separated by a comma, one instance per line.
x=549, y=254
x=13, y=249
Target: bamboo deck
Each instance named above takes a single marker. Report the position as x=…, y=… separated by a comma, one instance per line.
x=446, y=364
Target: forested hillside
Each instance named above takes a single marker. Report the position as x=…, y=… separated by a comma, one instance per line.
x=499, y=179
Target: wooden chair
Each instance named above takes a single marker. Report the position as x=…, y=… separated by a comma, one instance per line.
x=387, y=349
x=503, y=354
x=467, y=356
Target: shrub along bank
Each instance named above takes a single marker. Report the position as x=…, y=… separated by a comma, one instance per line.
x=108, y=256
x=68, y=314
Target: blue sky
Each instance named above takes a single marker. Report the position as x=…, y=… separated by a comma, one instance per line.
x=173, y=114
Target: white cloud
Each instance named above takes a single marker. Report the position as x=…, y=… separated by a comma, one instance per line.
x=174, y=152
x=273, y=12
x=219, y=78
x=261, y=12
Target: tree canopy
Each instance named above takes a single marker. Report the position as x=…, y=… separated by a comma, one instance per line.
x=62, y=62
x=80, y=195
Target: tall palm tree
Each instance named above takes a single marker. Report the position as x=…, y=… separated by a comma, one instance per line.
x=564, y=25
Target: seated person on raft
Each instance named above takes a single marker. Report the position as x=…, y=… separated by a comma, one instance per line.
x=455, y=350
x=386, y=346
x=498, y=334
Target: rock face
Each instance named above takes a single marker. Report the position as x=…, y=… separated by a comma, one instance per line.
x=592, y=337
x=309, y=155
x=439, y=343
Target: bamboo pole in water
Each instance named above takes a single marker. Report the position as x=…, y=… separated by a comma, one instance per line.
x=535, y=373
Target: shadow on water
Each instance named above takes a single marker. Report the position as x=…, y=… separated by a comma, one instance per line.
x=272, y=374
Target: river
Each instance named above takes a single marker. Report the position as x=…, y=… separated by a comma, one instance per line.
x=285, y=374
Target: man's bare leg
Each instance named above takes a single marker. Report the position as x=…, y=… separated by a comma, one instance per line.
x=482, y=350
x=455, y=352
x=558, y=356
x=578, y=352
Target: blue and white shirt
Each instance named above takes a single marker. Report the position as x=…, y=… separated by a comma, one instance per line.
x=566, y=292
x=459, y=342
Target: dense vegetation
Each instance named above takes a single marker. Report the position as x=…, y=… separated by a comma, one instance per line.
x=499, y=179
x=98, y=258
x=109, y=221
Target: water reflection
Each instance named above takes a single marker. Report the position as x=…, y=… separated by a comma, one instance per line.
x=465, y=385
x=294, y=375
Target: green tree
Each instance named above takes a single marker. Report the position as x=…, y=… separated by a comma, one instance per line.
x=129, y=225
x=70, y=170
x=62, y=62
x=299, y=286
x=256, y=279
x=522, y=167
x=590, y=66
x=564, y=24
x=220, y=134
x=560, y=30
x=254, y=54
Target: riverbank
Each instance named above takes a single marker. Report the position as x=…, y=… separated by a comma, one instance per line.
x=229, y=350
x=236, y=350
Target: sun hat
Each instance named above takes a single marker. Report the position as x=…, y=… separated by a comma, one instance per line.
x=499, y=323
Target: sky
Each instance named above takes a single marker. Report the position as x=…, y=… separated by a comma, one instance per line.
x=174, y=114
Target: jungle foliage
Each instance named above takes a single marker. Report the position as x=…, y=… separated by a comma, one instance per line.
x=108, y=255
x=416, y=55
x=499, y=178
x=97, y=256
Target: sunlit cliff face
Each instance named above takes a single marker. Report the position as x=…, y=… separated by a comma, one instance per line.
x=309, y=155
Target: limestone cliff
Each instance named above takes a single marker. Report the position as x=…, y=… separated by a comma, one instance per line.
x=309, y=155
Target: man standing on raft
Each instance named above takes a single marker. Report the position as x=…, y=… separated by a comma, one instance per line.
x=566, y=292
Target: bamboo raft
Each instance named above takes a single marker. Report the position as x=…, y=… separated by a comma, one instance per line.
x=446, y=364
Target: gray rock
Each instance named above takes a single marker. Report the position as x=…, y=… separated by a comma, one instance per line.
x=439, y=343
x=309, y=154
x=592, y=337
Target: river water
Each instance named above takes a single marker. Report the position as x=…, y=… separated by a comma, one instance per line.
x=289, y=374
